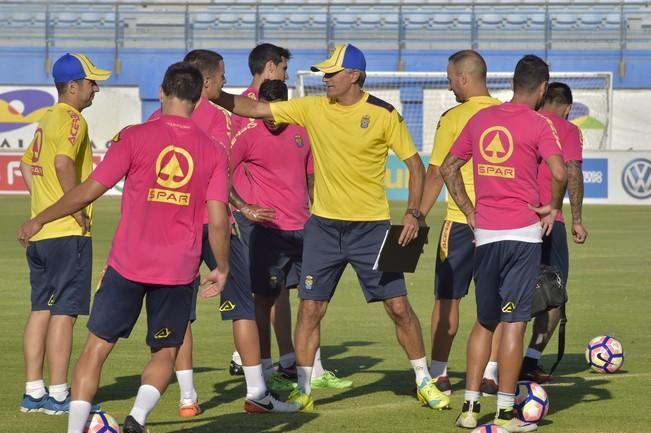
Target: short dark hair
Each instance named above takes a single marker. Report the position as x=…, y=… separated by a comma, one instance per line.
x=530, y=72
x=558, y=94
x=183, y=81
x=273, y=90
x=260, y=55
x=470, y=56
x=205, y=61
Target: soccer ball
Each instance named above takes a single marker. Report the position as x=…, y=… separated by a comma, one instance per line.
x=531, y=402
x=101, y=422
x=604, y=354
x=489, y=428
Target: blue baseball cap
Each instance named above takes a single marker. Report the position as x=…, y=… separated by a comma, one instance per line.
x=343, y=57
x=75, y=67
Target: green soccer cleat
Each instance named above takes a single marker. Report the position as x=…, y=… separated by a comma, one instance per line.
x=469, y=415
x=429, y=394
x=278, y=383
x=301, y=400
x=330, y=380
x=510, y=423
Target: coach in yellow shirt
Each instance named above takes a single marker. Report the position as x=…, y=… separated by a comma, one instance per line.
x=351, y=133
x=60, y=256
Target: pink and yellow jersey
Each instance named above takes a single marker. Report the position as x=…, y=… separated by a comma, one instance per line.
x=171, y=169
x=507, y=143
x=240, y=175
x=278, y=166
x=572, y=147
x=61, y=131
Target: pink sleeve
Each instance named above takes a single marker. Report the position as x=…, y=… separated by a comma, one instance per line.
x=218, y=184
x=116, y=162
x=548, y=142
x=573, y=145
x=462, y=147
x=239, y=150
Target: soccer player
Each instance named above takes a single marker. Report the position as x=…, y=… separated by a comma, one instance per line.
x=60, y=256
x=467, y=80
x=266, y=62
x=351, y=133
x=173, y=171
x=506, y=143
x=280, y=170
x=215, y=122
x=557, y=105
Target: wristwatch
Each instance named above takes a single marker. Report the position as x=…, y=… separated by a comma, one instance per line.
x=414, y=212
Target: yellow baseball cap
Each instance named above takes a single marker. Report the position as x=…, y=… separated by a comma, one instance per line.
x=75, y=67
x=343, y=57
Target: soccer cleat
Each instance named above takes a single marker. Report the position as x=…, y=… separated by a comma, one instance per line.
x=269, y=403
x=469, y=415
x=535, y=374
x=132, y=426
x=443, y=384
x=288, y=372
x=330, y=380
x=278, y=382
x=189, y=408
x=488, y=387
x=235, y=369
x=31, y=404
x=300, y=400
x=429, y=394
x=510, y=423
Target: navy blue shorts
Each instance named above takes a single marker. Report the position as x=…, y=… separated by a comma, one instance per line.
x=60, y=272
x=329, y=245
x=236, y=300
x=555, y=252
x=505, y=280
x=118, y=302
x=454, y=261
x=276, y=257
x=245, y=227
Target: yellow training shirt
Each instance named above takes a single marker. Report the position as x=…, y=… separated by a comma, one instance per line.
x=448, y=129
x=61, y=131
x=350, y=145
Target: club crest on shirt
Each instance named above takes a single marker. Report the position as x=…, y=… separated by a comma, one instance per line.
x=309, y=281
x=298, y=140
x=496, y=147
x=174, y=168
x=366, y=119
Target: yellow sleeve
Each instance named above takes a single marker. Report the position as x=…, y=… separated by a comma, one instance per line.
x=443, y=139
x=293, y=111
x=398, y=137
x=70, y=135
x=29, y=153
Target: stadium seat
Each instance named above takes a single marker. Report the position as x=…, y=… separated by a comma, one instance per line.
x=90, y=19
x=299, y=19
x=417, y=20
x=21, y=18
x=273, y=19
x=370, y=20
x=516, y=19
x=203, y=20
x=591, y=20
x=229, y=19
x=443, y=19
x=345, y=20
x=491, y=21
x=564, y=21
x=66, y=18
x=613, y=20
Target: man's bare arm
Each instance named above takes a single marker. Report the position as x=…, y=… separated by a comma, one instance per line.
x=244, y=106
x=451, y=172
x=26, y=171
x=575, y=191
x=432, y=189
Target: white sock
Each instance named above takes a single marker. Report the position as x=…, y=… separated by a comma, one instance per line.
x=438, y=368
x=236, y=358
x=533, y=353
x=505, y=400
x=59, y=392
x=317, y=368
x=471, y=395
x=304, y=376
x=78, y=416
x=490, y=372
x=267, y=368
x=420, y=368
x=146, y=400
x=35, y=388
x=186, y=385
x=287, y=360
x=255, y=385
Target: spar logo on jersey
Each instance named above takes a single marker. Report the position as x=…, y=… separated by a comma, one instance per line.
x=636, y=178
x=496, y=147
x=174, y=168
x=20, y=108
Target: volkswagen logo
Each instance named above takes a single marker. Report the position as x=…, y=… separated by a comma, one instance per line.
x=636, y=178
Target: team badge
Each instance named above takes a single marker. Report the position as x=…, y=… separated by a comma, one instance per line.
x=226, y=306
x=299, y=141
x=365, y=121
x=273, y=282
x=509, y=307
x=308, y=282
x=162, y=334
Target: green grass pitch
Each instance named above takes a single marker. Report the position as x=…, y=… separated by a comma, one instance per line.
x=610, y=282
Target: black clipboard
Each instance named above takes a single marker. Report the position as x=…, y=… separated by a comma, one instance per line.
x=393, y=257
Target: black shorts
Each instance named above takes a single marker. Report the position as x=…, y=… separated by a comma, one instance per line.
x=505, y=280
x=454, y=261
x=555, y=252
x=118, y=302
x=329, y=245
x=60, y=272
x=276, y=257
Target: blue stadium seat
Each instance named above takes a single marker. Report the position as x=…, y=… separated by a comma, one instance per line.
x=564, y=21
x=613, y=20
x=299, y=19
x=417, y=20
x=66, y=18
x=443, y=19
x=21, y=19
x=345, y=19
x=274, y=19
x=591, y=20
x=516, y=19
x=370, y=20
x=490, y=21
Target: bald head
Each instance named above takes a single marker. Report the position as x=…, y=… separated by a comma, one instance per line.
x=467, y=75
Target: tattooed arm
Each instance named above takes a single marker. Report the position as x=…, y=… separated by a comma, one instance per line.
x=575, y=191
x=451, y=172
